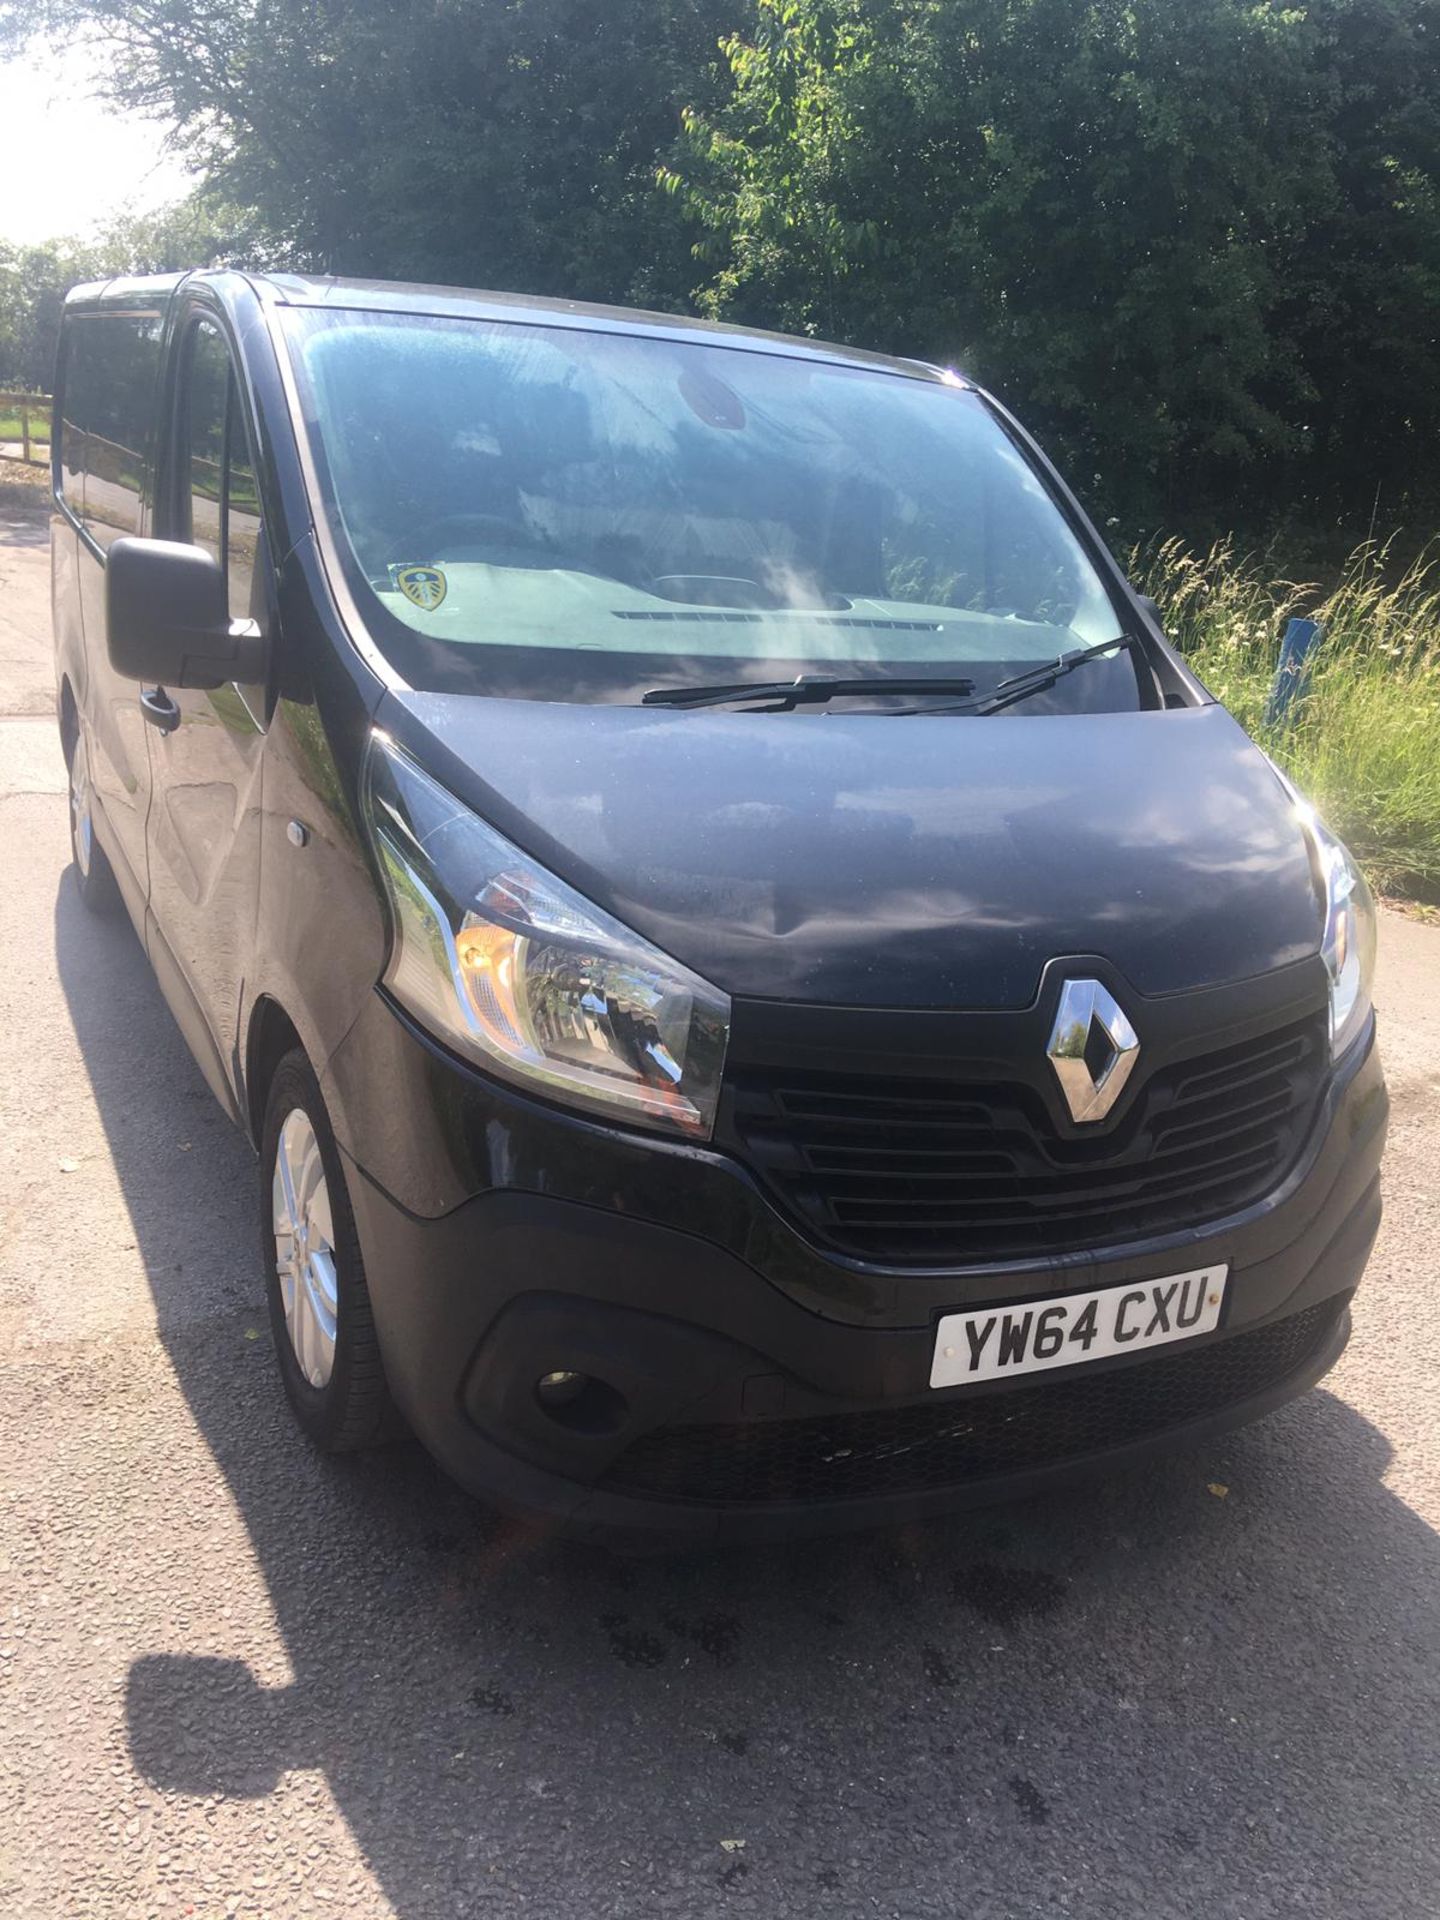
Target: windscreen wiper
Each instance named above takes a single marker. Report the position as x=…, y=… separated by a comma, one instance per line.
x=1037, y=679
x=809, y=689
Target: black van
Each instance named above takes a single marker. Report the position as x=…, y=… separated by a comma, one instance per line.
x=764, y=991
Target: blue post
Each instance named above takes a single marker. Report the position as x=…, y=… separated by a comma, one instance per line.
x=1287, y=690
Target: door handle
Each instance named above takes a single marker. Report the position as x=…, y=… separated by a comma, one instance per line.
x=159, y=709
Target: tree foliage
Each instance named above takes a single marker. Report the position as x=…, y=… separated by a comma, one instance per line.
x=199, y=232
x=33, y=280
x=1197, y=241
x=509, y=141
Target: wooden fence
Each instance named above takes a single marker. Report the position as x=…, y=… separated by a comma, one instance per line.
x=33, y=408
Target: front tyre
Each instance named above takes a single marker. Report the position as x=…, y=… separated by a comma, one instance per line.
x=94, y=876
x=315, y=1278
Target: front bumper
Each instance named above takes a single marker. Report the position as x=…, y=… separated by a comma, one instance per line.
x=665, y=1272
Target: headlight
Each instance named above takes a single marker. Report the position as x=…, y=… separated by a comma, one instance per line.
x=514, y=969
x=1348, y=943
x=1348, y=946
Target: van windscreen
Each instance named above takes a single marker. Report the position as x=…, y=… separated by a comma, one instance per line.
x=560, y=513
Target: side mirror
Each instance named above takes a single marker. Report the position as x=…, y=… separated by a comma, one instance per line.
x=167, y=621
x=1152, y=607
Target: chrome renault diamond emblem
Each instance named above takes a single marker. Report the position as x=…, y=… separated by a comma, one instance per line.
x=1093, y=1049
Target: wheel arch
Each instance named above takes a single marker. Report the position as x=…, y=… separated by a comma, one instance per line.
x=270, y=1036
x=69, y=717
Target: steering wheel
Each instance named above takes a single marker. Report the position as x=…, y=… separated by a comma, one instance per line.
x=457, y=526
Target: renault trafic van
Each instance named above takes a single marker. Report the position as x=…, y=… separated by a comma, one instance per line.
x=764, y=992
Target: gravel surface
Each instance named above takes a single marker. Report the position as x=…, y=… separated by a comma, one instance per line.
x=237, y=1679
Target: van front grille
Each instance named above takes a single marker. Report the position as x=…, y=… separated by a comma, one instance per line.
x=958, y=1439
x=945, y=1172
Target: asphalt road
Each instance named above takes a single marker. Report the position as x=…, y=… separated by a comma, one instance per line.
x=236, y=1678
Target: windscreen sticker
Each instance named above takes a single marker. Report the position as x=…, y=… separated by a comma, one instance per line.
x=423, y=587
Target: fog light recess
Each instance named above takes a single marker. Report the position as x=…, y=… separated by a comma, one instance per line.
x=560, y=1389
x=581, y=1402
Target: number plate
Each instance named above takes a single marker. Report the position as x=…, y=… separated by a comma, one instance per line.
x=1031, y=1335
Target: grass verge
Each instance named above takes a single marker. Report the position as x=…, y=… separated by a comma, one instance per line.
x=1364, y=743
x=39, y=427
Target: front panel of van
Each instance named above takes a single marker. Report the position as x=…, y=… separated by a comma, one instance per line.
x=765, y=993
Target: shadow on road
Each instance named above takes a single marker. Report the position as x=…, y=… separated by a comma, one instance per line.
x=1153, y=1695
x=22, y=526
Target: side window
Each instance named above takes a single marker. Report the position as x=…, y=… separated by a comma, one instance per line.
x=74, y=406
x=242, y=512
x=219, y=500
x=111, y=364
x=207, y=389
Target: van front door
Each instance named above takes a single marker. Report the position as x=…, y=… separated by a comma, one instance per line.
x=109, y=383
x=204, y=834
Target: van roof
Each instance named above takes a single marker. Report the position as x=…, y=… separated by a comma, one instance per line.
x=393, y=296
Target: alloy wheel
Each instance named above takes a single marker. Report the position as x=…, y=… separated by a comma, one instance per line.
x=305, y=1247
x=82, y=829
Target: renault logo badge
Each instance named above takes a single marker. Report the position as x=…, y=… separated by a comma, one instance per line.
x=1093, y=1049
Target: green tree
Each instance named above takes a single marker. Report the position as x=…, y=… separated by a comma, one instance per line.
x=33, y=280
x=1361, y=298
x=507, y=143
x=1169, y=230
x=204, y=230
x=1198, y=241
x=198, y=232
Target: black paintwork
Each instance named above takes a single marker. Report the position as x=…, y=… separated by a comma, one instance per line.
x=930, y=862
x=863, y=886
x=705, y=1305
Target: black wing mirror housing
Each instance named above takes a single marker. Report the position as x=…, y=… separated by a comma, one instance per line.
x=167, y=620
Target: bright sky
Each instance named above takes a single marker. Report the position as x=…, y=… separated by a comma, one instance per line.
x=71, y=162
